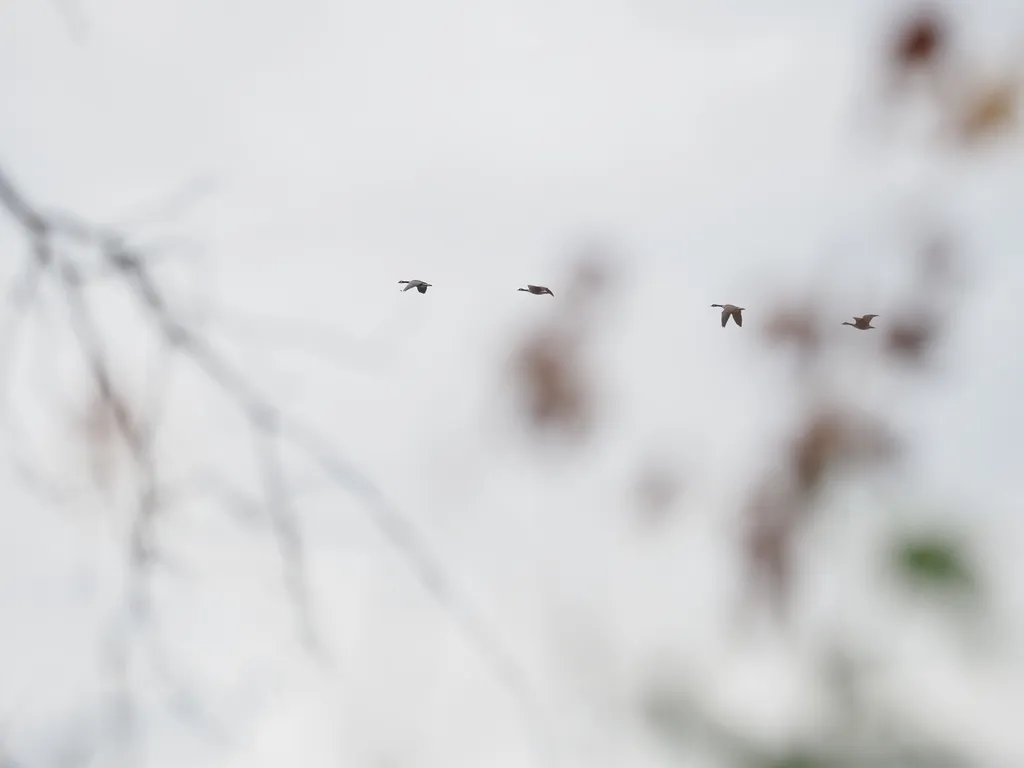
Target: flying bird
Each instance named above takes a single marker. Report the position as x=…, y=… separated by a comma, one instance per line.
x=863, y=323
x=731, y=310
x=419, y=285
x=537, y=290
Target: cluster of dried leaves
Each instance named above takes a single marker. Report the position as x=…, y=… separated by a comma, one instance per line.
x=922, y=58
x=833, y=437
x=836, y=435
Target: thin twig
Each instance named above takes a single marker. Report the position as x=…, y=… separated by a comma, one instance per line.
x=398, y=530
x=20, y=300
x=135, y=435
x=142, y=540
x=284, y=523
x=172, y=206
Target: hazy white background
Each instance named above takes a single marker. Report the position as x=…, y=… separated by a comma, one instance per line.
x=726, y=147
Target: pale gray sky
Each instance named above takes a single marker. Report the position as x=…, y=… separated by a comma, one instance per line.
x=334, y=148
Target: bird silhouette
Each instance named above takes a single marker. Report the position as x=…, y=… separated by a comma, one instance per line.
x=537, y=290
x=731, y=310
x=419, y=285
x=862, y=323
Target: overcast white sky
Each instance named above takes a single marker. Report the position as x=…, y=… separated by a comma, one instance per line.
x=343, y=146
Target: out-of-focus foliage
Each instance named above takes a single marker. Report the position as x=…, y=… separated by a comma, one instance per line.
x=681, y=723
x=935, y=562
x=838, y=437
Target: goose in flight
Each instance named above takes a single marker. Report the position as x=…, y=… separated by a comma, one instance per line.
x=731, y=310
x=537, y=290
x=419, y=285
x=863, y=323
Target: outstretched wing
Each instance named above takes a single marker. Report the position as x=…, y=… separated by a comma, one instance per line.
x=738, y=317
x=725, y=317
x=868, y=318
x=422, y=287
x=408, y=286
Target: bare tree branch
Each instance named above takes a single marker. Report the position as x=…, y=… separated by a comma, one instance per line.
x=284, y=523
x=295, y=335
x=20, y=299
x=271, y=428
x=135, y=435
x=18, y=208
x=172, y=206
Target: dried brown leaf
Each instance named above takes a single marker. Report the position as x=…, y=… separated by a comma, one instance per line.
x=556, y=394
x=910, y=339
x=774, y=515
x=832, y=438
x=991, y=108
x=798, y=326
x=815, y=449
x=920, y=40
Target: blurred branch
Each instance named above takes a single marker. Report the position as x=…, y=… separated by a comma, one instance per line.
x=135, y=435
x=271, y=428
x=19, y=301
x=296, y=335
x=284, y=522
x=403, y=536
x=173, y=206
x=142, y=539
x=157, y=251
